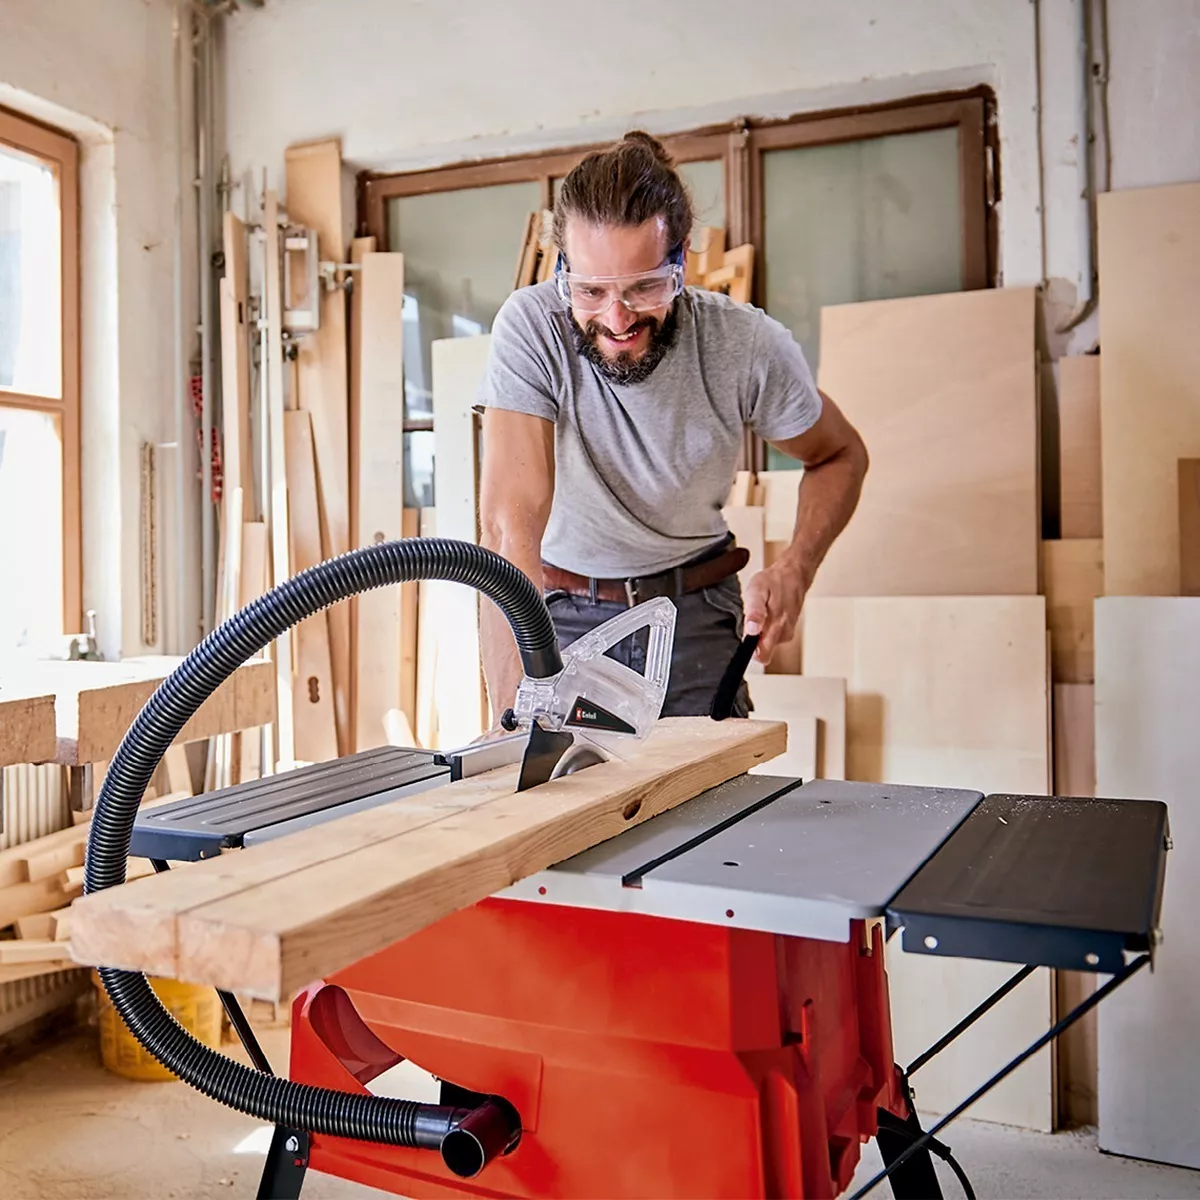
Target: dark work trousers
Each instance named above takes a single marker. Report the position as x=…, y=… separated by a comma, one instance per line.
x=708, y=628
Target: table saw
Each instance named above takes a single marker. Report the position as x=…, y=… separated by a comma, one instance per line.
x=695, y=1007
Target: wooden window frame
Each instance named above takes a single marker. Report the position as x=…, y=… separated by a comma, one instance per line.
x=61, y=154
x=740, y=144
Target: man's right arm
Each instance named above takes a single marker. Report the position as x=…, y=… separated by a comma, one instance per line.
x=515, y=493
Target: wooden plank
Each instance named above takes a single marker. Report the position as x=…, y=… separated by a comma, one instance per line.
x=380, y=490
x=943, y=390
x=791, y=698
x=1079, y=446
x=314, y=199
x=247, y=746
x=1149, y=260
x=740, y=493
x=746, y=523
x=1189, y=526
x=237, y=442
x=519, y=279
x=14, y=974
x=316, y=730
x=1073, y=573
x=360, y=247
x=24, y=899
x=1147, y=698
x=781, y=500
x=22, y=951
x=409, y=593
x=426, y=726
x=328, y=897
x=285, y=740
x=1074, y=739
x=949, y=692
x=27, y=733
x=1075, y=775
x=36, y=925
x=458, y=368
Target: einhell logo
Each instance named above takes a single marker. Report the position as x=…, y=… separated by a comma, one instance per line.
x=587, y=715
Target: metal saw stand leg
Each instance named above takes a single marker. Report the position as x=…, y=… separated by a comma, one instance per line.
x=927, y=1141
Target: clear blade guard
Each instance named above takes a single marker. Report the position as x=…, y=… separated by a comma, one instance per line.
x=597, y=696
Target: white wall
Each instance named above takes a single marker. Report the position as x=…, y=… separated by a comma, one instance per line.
x=409, y=84
x=104, y=72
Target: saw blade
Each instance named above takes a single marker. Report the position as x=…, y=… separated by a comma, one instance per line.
x=546, y=747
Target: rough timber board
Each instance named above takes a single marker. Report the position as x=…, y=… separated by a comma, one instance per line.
x=949, y=692
x=1149, y=260
x=26, y=725
x=1147, y=698
x=272, y=918
x=314, y=199
x=943, y=390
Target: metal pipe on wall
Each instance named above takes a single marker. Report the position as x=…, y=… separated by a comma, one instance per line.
x=180, y=640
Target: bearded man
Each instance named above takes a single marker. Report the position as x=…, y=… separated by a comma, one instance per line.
x=615, y=403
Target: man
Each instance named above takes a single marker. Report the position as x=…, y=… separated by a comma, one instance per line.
x=615, y=406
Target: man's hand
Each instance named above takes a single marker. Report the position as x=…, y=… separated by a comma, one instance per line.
x=772, y=600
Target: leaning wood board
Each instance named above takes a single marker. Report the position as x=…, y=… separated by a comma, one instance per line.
x=949, y=692
x=798, y=697
x=409, y=628
x=26, y=724
x=314, y=199
x=1073, y=575
x=1079, y=446
x=1149, y=379
x=379, y=485
x=312, y=693
x=237, y=447
x=1189, y=526
x=458, y=368
x=943, y=390
x=96, y=702
x=1147, y=698
x=270, y=919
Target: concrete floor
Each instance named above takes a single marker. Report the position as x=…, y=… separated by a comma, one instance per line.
x=69, y=1129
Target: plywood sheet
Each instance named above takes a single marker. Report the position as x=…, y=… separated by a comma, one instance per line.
x=746, y=524
x=798, y=697
x=1147, y=698
x=1079, y=446
x=314, y=199
x=781, y=495
x=458, y=367
x=380, y=489
x=1149, y=379
x=275, y=917
x=1074, y=739
x=949, y=692
x=943, y=390
x=1073, y=576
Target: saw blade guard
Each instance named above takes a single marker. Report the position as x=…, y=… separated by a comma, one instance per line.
x=594, y=695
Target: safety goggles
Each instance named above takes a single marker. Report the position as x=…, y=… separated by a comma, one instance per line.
x=643, y=292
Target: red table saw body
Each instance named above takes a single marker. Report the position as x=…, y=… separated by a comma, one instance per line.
x=647, y=1057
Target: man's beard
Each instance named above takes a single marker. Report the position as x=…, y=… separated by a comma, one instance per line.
x=625, y=369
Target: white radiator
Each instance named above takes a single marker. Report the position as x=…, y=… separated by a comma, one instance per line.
x=35, y=803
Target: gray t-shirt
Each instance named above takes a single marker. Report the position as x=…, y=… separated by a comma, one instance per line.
x=643, y=470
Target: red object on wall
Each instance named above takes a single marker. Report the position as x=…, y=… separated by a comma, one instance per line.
x=646, y=1057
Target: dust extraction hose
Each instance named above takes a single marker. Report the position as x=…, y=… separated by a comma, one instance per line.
x=280, y=1101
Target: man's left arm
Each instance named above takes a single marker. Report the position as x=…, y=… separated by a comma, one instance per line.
x=835, y=464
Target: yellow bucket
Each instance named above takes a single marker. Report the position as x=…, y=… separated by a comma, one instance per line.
x=196, y=1008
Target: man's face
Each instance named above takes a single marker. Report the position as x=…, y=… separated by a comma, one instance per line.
x=626, y=346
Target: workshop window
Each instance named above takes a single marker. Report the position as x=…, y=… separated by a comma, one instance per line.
x=39, y=384
x=854, y=205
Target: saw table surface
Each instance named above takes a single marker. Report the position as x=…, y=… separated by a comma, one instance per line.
x=762, y=852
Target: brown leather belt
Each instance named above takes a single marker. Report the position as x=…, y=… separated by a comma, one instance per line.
x=690, y=577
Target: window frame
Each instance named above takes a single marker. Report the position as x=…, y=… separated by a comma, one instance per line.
x=60, y=153
x=740, y=144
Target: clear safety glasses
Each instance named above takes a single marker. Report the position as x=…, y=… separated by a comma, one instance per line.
x=643, y=292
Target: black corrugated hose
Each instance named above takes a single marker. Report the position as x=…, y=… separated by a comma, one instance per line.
x=300, y=1106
